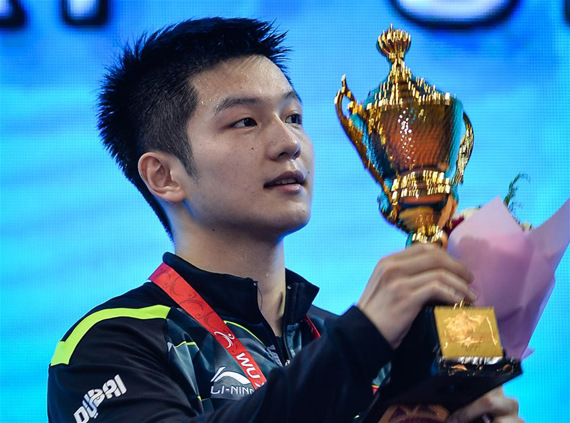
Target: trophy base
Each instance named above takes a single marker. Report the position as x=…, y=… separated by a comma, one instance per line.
x=447, y=387
x=415, y=414
x=422, y=375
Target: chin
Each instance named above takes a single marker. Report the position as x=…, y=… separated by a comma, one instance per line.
x=282, y=226
x=296, y=225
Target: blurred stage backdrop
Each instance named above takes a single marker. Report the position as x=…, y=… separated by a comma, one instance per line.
x=75, y=232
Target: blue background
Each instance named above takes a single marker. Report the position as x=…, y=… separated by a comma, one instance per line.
x=74, y=232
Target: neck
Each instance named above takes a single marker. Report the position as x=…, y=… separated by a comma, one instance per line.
x=242, y=256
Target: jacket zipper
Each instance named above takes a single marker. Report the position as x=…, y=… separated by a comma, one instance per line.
x=283, y=353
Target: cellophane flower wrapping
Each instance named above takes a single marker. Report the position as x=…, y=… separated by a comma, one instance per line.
x=513, y=268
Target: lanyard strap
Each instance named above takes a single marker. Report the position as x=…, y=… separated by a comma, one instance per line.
x=186, y=297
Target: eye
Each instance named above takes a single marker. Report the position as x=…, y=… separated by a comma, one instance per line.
x=295, y=118
x=245, y=123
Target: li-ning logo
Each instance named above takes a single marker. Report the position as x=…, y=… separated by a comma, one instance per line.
x=112, y=388
x=229, y=337
x=220, y=374
x=229, y=391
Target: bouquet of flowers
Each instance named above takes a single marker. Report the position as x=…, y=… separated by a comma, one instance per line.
x=513, y=265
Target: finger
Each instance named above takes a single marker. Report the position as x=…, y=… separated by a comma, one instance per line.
x=422, y=257
x=417, y=248
x=493, y=403
x=439, y=285
x=507, y=420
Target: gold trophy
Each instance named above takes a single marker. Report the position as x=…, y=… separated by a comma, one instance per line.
x=408, y=135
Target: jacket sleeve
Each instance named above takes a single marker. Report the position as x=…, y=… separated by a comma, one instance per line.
x=121, y=380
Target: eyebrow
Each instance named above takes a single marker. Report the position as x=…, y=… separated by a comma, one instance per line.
x=230, y=102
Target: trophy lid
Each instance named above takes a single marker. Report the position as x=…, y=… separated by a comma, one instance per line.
x=401, y=87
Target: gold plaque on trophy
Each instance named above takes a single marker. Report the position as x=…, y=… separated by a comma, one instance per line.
x=468, y=332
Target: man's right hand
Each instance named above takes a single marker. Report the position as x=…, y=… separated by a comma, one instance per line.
x=403, y=283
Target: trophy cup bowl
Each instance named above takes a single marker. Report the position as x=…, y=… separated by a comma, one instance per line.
x=409, y=137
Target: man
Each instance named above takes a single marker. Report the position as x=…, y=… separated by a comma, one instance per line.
x=202, y=119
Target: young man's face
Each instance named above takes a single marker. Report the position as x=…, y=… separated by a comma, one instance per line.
x=253, y=159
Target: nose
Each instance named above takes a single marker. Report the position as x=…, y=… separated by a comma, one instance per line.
x=285, y=142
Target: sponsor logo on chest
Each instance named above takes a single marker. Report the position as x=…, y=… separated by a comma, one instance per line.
x=229, y=385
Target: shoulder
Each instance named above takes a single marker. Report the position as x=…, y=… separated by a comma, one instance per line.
x=320, y=313
x=114, y=363
x=321, y=317
x=139, y=314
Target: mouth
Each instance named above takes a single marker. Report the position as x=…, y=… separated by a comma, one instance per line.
x=288, y=178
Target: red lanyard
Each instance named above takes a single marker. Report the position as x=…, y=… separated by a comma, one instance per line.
x=182, y=293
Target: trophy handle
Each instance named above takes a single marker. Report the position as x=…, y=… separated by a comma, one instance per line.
x=354, y=133
x=465, y=149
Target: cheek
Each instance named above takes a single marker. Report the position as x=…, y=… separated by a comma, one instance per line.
x=310, y=158
x=232, y=178
x=215, y=165
x=307, y=147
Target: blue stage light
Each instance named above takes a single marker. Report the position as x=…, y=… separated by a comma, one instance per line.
x=85, y=12
x=12, y=14
x=454, y=13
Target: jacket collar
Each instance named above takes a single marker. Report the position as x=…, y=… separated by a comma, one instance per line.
x=233, y=296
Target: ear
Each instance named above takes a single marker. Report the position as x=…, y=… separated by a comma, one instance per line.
x=160, y=172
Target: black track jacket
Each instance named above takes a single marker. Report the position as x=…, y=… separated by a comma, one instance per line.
x=140, y=358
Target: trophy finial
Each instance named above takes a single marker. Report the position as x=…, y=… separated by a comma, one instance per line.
x=394, y=44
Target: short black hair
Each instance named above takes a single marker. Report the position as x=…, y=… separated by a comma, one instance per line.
x=147, y=98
